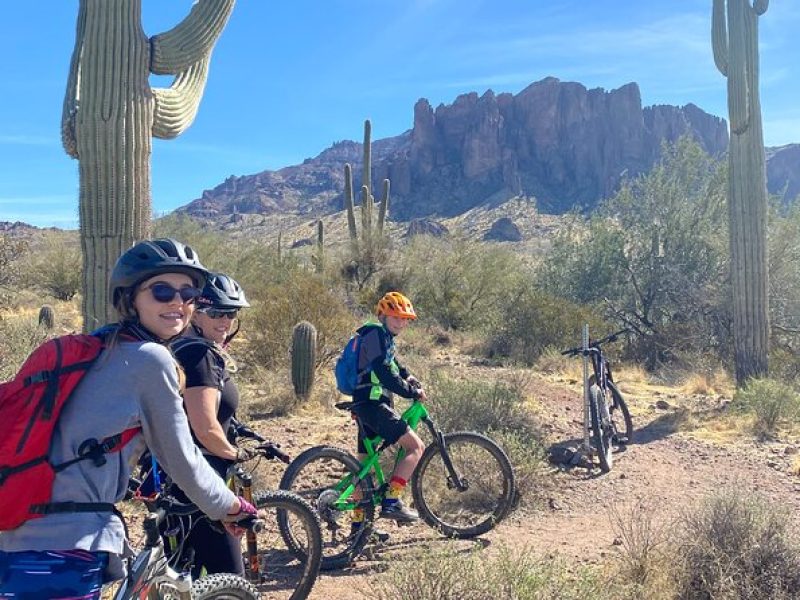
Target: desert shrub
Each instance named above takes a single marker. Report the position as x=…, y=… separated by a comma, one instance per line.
x=655, y=256
x=497, y=410
x=459, y=283
x=300, y=297
x=18, y=337
x=12, y=250
x=454, y=573
x=532, y=320
x=55, y=266
x=646, y=548
x=212, y=248
x=772, y=402
x=737, y=546
x=784, y=365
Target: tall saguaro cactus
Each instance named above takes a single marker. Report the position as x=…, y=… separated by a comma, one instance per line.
x=734, y=36
x=110, y=113
x=365, y=251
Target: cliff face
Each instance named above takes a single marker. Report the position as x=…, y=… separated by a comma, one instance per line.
x=564, y=144
x=556, y=141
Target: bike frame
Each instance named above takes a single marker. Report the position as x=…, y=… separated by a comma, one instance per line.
x=414, y=415
x=150, y=568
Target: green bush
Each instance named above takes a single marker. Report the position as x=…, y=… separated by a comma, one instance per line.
x=55, y=266
x=532, y=320
x=18, y=338
x=12, y=250
x=497, y=410
x=300, y=297
x=737, y=546
x=458, y=573
x=459, y=283
x=773, y=403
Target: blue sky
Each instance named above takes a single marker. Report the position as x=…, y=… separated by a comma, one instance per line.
x=288, y=79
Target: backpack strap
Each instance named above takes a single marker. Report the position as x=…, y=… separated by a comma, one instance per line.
x=93, y=450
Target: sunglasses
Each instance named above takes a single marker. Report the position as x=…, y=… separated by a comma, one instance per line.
x=165, y=293
x=218, y=313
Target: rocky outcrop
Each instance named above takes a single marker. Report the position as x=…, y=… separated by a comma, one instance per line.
x=426, y=227
x=558, y=141
x=783, y=171
x=503, y=230
x=564, y=144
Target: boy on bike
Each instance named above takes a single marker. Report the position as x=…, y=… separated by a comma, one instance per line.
x=379, y=377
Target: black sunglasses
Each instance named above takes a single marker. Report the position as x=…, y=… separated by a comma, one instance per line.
x=165, y=293
x=218, y=313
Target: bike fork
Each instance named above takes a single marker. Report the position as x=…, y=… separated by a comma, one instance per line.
x=453, y=476
x=246, y=481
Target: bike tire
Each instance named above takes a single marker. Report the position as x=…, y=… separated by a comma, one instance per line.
x=618, y=405
x=281, y=567
x=601, y=438
x=491, y=487
x=312, y=476
x=223, y=586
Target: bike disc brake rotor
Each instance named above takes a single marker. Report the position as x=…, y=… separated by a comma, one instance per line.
x=325, y=508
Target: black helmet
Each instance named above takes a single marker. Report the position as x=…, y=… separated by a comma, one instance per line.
x=151, y=257
x=223, y=292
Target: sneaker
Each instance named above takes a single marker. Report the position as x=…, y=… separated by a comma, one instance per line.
x=397, y=511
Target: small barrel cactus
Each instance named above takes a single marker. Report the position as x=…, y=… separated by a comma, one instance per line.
x=46, y=317
x=304, y=357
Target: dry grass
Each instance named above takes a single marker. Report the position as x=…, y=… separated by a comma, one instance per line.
x=717, y=382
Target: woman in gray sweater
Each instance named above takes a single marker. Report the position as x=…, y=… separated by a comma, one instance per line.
x=134, y=383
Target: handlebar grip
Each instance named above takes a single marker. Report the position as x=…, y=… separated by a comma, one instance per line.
x=251, y=523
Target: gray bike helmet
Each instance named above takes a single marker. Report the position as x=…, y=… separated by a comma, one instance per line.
x=151, y=257
x=222, y=292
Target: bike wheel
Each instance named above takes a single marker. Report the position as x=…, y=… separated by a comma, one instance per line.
x=487, y=474
x=223, y=586
x=313, y=476
x=283, y=574
x=620, y=417
x=601, y=432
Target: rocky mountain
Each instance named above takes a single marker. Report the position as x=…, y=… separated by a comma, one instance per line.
x=558, y=142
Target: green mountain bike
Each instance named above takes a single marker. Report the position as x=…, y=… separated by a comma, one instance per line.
x=463, y=486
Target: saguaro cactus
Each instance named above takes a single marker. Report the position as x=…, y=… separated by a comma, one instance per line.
x=304, y=358
x=110, y=113
x=365, y=250
x=367, y=199
x=46, y=317
x=734, y=35
x=318, y=258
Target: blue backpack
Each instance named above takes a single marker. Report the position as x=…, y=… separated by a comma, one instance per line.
x=346, y=370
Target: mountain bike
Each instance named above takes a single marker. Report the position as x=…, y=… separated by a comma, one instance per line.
x=462, y=486
x=152, y=575
x=610, y=419
x=276, y=570
x=268, y=561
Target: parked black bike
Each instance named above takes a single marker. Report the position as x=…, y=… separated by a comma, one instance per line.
x=610, y=420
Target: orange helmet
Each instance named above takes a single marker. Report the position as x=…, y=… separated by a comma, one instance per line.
x=395, y=304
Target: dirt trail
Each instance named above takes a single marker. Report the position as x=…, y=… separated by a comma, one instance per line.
x=663, y=470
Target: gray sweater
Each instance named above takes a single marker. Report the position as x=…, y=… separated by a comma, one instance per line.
x=132, y=384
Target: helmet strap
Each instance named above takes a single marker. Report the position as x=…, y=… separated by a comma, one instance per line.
x=233, y=335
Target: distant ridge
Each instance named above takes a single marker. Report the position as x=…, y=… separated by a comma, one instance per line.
x=564, y=144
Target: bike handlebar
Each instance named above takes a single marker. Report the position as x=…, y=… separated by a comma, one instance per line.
x=594, y=346
x=266, y=448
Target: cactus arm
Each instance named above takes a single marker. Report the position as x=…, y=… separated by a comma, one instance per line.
x=348, y=202
x=176, y=106
x=366, y=178
x=719, y=37
x=191, y=40
x=70, y=107
x=384, y=206
x=739, y=22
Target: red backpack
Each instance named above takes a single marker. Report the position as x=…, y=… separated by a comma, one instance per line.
x=30, y=405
